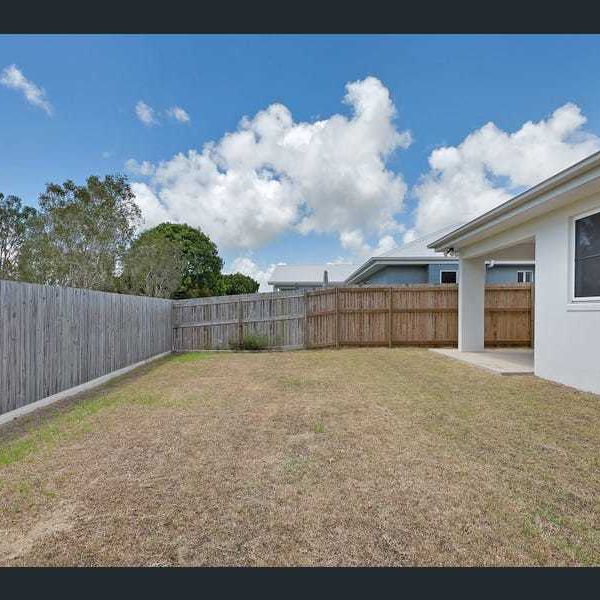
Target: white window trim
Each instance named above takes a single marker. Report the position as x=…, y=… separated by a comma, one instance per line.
x=525, y=276
x=449, y=271
x=579, y=302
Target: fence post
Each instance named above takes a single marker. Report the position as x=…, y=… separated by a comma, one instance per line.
x=240, y=324
x=337, y=318
x=390, y=319
x=532, y=313
x=306, y=344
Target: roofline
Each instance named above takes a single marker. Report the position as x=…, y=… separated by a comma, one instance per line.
x=295, y=282
x=564, y=176
x=413, y=260
x=408, y=261
x=324, y=266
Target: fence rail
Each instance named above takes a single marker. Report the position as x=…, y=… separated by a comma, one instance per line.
x=223, y=322
x=55, y=338
x=412, y=315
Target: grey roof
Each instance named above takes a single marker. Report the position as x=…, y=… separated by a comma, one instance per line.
x=415, y=251
x=310, y=274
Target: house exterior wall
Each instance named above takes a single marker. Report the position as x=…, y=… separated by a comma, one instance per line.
x=436, y=268
x=403, y=274
x=506, y=273
x=566, y=332
x=396, y=274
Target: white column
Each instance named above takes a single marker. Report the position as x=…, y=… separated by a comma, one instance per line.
x=471, y=296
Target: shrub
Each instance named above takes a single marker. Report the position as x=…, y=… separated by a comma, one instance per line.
x=254, y=341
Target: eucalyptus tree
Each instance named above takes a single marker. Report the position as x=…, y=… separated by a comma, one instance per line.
x=81, y=234
x=15, y=218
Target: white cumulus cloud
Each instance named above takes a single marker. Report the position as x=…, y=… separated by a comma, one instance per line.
x=177, y=113
x=274, y=175
x=490, y=165
x=354, y=241
x=145, y=168
x=145, y=114
x=245, y=265
x=13, y=78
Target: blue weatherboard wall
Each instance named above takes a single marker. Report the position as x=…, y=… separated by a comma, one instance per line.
x=506, y=273
x=397, y=274
x=434, y=271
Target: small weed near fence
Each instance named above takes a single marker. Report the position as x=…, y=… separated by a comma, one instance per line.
x=252, y=341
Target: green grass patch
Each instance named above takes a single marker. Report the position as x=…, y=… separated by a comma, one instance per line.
x=14, y=451
x=568, y=536
x=74, y=421
x=190, y=357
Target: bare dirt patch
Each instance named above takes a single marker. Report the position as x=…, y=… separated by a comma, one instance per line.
x=350, y=457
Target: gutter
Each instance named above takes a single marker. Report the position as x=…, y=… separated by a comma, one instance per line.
x=315, y=283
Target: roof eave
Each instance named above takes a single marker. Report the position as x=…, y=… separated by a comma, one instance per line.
x=394, y=260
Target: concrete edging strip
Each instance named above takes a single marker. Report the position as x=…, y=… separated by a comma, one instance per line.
x=88, y=385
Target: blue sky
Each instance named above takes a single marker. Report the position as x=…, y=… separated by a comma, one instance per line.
x=442, y=88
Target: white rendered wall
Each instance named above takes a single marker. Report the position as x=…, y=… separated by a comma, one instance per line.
x=471, y=298
x=567, y=333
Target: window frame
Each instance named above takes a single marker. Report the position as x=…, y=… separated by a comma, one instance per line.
x=579, y=300
x=448, y=271
x=530, y=271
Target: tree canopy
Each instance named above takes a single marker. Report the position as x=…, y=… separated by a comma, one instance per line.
x=84, y=236
x=238, y=283
x=14, y=220
x=80, y=236
x=152, y=267
x=201, y=272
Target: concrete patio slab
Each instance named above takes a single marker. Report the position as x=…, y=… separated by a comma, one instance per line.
x=504, y=361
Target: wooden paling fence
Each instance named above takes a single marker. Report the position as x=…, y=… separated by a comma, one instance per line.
x=223, y=322
x=411, y=315
x=55, y=338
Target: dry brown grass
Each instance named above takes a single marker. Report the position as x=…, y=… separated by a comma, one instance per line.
x=351, y=457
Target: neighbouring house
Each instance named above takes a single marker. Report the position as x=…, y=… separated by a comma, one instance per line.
x=557, y=224
x=415, y=262
x=308, y=277
x=412, y=263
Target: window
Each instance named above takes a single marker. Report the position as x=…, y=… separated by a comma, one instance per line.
x=587, y=257
x=447, y=276
x=524, y=276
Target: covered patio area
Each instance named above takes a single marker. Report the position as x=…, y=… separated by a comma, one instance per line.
x=471, y=306
x=471, y=287
x=504, y=361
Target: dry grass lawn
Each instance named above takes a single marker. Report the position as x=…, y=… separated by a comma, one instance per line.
x=350, y=457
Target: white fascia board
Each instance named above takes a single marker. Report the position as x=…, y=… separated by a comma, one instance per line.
x=512, y=262
x=294, y=282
